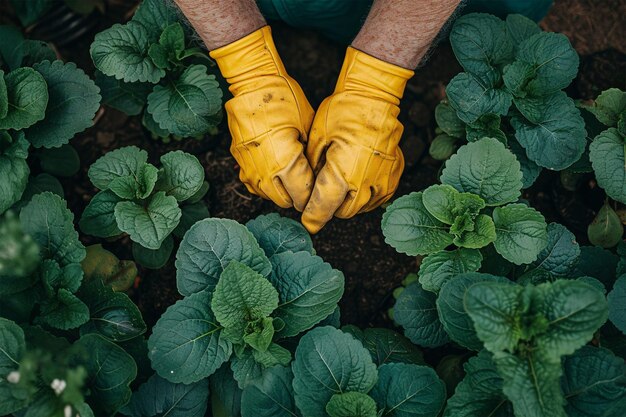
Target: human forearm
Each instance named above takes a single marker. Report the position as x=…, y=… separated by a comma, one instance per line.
x=220, y=22
x=401, y=31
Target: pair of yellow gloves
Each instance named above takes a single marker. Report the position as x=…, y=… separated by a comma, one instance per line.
x=353, y=162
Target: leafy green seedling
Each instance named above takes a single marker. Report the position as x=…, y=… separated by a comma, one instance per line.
x=149, y=65
x=246, y=290
x=145, y=202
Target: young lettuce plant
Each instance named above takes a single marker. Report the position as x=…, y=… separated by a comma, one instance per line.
x=44, y=103
x=44, y=369
x=475, y=206
x=334, y=375
x=247, y=289
x=149, y=65
x=147, y=203
x=511, y=89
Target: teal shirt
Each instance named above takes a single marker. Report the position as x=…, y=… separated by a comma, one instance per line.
x=341, y=19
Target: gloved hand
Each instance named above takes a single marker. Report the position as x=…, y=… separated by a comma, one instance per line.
x=269, y=118
x=357, y=130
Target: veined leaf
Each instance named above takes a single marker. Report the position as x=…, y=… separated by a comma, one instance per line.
x=608, y=107
x=181, y=175
x=98, y=218
x=13, y=168
x=386, y=346
x=277, y=234
x=439, y=267
x=607, y=154
x=561, y=253
x=520, y=233
x=472, y=97
x=119, y=163
x=270, y=396
x=351, y=404
x=27, y=95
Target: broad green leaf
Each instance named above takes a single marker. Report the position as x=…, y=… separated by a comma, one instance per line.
x=186, y=344
x=153, y=258
x=74, y=100
x=560, y=254
x=110, y=371
x=129, y=98
x=111, y=314
x=54, y=277
x=386, y=346
x=520, y=233
x=270, y=396
x=519, y=28
x=351, y=404
x=416, y=312
x=439, y=267
x=594, y=383
x=122, y=52
x=516, y=77
x=479, y=394
x=12, y=346
x=607, y=153
x=151, y=224
x=596, y=262
x=27, y=94
x=456, y=321
x=115, y=164
x=404, y=390
x=530, y=170
x=242, y=296
x=442, y=147
x=329, y=362
x=181, y=175
x=480, y=44
x=61, y=162
x=495, y=308
x=483, y=234
x=309, y=290
x=532, y=385
x=277, y=234
x=552, y=130
x=574, y=310
x=245, y=369
x=51, y=224
x=553, y=59
x=448, y=121
x=64, y=311
x=156, y=15
x=159, y=397
x=208, y=247
x=188, y=106
x=606, y=229
x=138, y=185
x=409, y=228
x=472, y=97
x=14, y=170
x=485, y=168
x=33, y=52
x=98, y=219
x=171, y=45
x=617, y=304
x=608, y=107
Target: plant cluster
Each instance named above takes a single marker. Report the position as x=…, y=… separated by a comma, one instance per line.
x=151, y=66
x=44, y=102
x=147, y=203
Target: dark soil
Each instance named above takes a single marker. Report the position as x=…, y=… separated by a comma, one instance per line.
x=372, y=268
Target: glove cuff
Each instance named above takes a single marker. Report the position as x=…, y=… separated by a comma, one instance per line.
x=249, y=57
x=372, y=76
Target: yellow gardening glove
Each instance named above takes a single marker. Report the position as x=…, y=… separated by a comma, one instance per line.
x=269, y=118
x=357, y=130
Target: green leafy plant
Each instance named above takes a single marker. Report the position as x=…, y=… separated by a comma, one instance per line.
x=149, y=65
x=528, y=323
x=334, y=375
x=61, y=337
x=473, y=208
x=44, y=103
x=511, y=90
x=147, y=203
x=247, y=290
